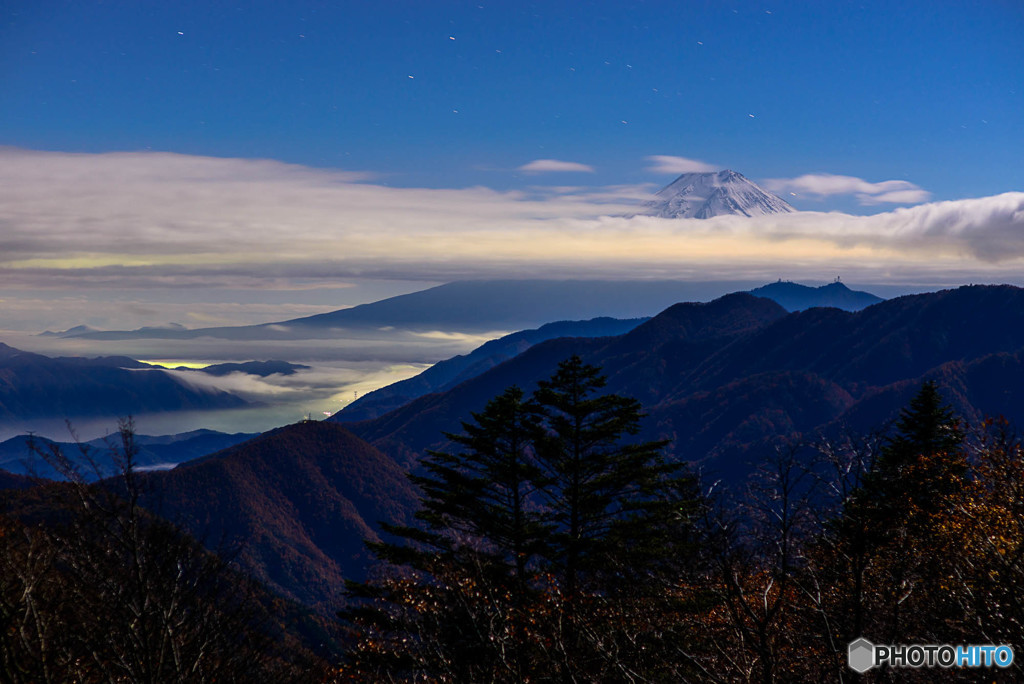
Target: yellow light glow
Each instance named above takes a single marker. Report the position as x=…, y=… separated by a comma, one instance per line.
x=171, y=364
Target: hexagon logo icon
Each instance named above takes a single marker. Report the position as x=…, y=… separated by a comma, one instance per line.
x=861, y=655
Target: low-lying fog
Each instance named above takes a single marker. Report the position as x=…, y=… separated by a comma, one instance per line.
x=339, y=370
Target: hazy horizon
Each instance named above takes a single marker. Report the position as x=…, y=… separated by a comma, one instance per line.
x=340, y=369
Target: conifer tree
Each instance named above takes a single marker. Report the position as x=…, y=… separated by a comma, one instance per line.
x=921, y=465
x=484, y=490
x=604, y=497
x=619, y=514
x=888, y=541
x=541, y=505
x=459, y=613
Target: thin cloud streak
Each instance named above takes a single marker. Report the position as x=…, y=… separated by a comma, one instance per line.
x=662, y=163
x=555, y=165
x=822, y=185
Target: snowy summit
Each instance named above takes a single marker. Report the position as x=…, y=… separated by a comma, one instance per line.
x=703, y=195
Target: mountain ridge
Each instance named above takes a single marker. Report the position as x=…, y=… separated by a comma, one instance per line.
x=783, y=374
x=796, y=297
x=37, y=386
x=20, y=454
x=470, y=306
x=450, y=372
x=442, y=376
x=297, y=502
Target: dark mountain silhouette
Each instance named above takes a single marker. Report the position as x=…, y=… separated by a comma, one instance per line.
x=297, y=501
x=449, y=373
x=260, y=368
x=183, y=438
x=487, y=305
x=17, y=456
x=102, y=362
x=14, y=481
x=81, y=330
x=796, y=297
x=895, y=340
x=686, y=329
x=724, y=378
x=469, y=306
x=70, y=332
x=37, y=386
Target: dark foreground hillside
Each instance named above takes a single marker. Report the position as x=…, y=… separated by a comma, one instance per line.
x=297, y=502
x=93, y=587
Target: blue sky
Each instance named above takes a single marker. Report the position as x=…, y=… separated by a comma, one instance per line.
x=927, y=92
x=217, y=163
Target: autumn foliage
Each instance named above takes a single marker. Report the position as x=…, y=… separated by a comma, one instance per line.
x=95, y=588
x=552, y=544
x=914, y=536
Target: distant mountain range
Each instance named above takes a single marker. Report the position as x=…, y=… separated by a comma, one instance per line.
x=796, y=297
x=447, y=374
x=34, y=386
x=16, y=456
x=262, y=369
x=70, y=332
x=37, y=386
x=83, y=330
x=719, y=193
x=464, y=306
x=722, y=379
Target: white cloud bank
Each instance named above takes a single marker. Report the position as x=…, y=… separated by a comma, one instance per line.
x=661, y=163
x=163, y=220
x=823, y=185
x=555, y=165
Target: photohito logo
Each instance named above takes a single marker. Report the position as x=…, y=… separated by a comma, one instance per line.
x=862, y=655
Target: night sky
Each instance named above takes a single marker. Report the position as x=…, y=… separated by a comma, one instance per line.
x=180, y=157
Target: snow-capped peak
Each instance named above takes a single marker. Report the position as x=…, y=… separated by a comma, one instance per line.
x=703, y=195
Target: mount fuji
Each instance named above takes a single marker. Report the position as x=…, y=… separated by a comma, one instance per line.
x=703, y=195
